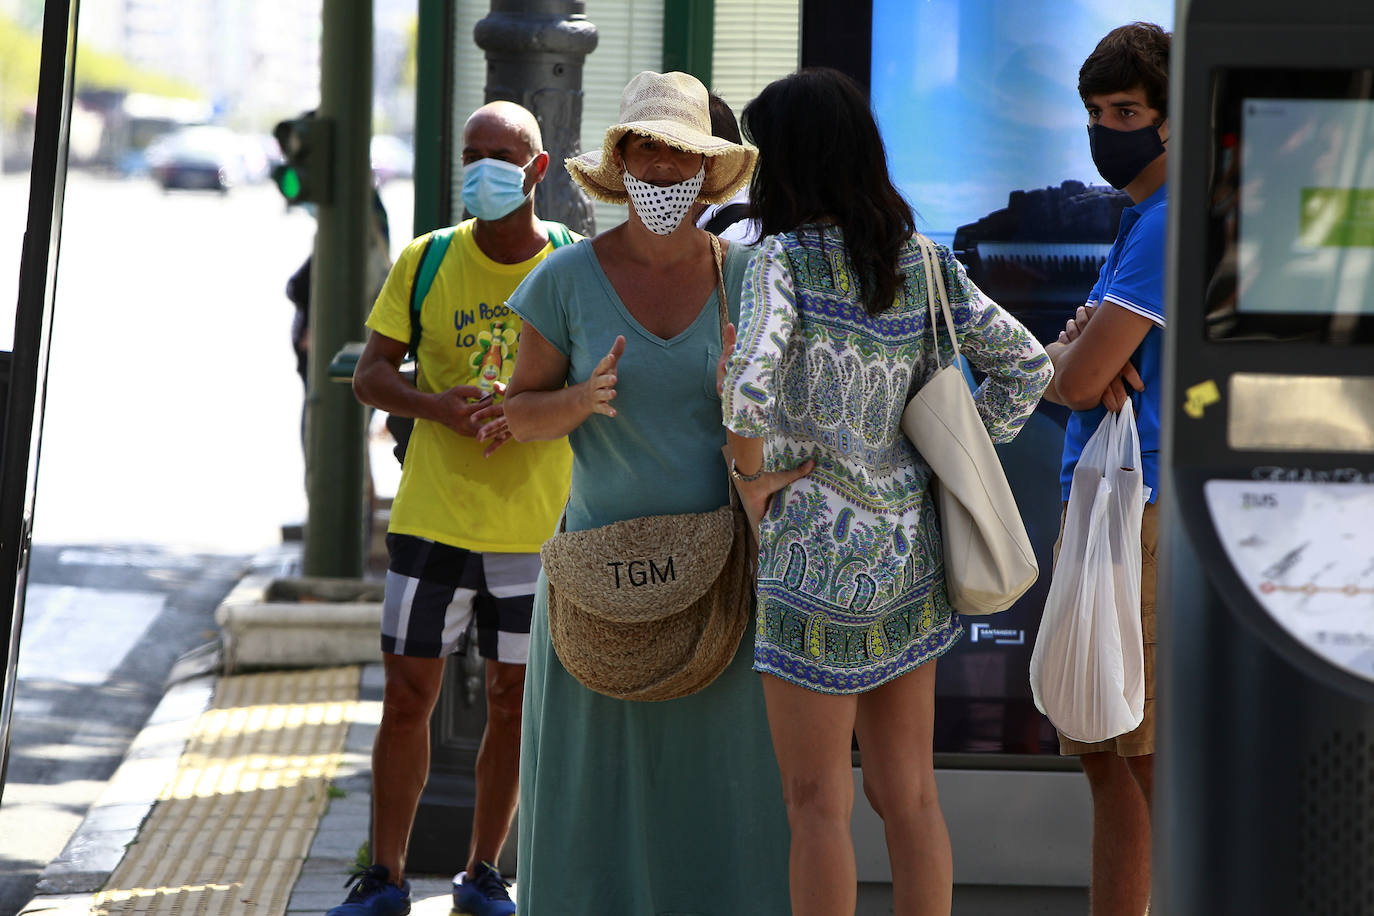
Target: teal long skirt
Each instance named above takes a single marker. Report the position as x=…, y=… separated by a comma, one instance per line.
x=647, y=809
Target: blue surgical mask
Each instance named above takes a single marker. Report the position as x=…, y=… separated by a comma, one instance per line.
x=493, y=188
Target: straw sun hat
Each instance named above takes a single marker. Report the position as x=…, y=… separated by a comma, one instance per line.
x=671, y=107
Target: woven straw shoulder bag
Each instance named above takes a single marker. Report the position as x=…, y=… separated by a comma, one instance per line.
x=652, y=608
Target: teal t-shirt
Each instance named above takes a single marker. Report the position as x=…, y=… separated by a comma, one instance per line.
x=660, y=454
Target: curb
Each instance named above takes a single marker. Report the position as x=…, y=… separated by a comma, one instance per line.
x=71, y=883
x=113, y=822
x=98, y=845
x=263, y=628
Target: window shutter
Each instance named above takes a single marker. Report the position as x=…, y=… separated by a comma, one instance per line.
x=469, y=84
x=756, y=42
x=630, y=40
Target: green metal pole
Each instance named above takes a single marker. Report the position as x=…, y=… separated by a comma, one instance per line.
x=434, y=116
x=689, y=31
x=334, y=420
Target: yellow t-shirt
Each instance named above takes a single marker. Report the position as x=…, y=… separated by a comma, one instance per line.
x=449, y=492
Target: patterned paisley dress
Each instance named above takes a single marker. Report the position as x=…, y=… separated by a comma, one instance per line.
x=851, y=573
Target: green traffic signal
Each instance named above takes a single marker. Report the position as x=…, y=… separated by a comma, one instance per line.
x=305, y=175
x=289, y=181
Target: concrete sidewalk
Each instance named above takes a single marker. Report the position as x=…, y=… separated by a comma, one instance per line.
x=243, y=793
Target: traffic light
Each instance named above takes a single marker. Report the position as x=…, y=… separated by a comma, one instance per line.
x=307, y=145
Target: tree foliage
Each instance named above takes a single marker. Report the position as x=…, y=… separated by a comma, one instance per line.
x=19, y=55
x=410, y=66
x=21, y=50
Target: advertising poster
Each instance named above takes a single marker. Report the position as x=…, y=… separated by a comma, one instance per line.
x=987, y=138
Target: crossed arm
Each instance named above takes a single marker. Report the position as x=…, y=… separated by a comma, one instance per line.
x=1092, y=358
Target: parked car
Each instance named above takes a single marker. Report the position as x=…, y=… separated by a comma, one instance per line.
x=204, y=157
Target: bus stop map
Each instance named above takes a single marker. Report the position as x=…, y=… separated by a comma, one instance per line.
x=1306, y=553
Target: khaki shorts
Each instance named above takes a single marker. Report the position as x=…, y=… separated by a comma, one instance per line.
x=1141, y=741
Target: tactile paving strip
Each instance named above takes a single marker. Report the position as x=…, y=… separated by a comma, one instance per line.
x=229, y=834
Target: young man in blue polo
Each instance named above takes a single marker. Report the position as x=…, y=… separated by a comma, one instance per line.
x=1109, y=351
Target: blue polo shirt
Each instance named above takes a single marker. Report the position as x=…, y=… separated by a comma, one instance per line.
x=1133, y=278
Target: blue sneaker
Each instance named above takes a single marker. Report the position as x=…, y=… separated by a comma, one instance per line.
x=483, y=893
x=373, y=894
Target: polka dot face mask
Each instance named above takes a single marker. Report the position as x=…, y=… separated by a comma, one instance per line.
x=662, y=209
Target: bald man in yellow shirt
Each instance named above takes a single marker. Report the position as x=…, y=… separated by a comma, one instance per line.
x=469, y=514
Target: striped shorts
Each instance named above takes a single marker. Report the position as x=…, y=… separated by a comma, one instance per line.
x=437, y=596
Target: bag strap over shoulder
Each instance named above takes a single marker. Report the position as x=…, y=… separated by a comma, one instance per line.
x=431, y=256
x=722, y=308
x=559, y=234
x=726, y=217
x=436, y=246
x=936, y=296
x=723, y=312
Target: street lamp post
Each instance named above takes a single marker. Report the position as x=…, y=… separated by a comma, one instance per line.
x=535, y=50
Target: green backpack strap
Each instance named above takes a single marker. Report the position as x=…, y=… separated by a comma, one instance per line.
x=559, y=234
x=431, y=256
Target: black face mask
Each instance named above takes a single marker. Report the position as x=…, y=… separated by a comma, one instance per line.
x=1121, y=155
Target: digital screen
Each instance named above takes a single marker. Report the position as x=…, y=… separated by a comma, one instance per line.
x=1290, y=206
x=1306, y=207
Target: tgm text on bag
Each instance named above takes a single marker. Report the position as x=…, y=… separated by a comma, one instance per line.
x=642, y=572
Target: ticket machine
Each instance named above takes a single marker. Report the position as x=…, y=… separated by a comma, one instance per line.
x=1265, y=766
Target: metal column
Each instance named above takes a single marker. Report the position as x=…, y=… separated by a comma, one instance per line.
x=535, y=50
x=24, y=372
x=334, y=422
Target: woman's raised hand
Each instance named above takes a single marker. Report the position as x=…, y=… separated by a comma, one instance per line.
x=599, y=390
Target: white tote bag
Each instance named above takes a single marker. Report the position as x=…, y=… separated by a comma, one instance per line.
x=1087, y=671
x=989, y=562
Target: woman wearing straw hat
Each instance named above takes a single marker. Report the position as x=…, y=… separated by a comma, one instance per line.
x=853, y=611
x=630, y=807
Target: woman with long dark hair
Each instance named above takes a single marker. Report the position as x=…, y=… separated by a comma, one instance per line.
x=834, y=338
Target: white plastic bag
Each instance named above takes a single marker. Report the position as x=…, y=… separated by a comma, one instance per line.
x=1087, y=671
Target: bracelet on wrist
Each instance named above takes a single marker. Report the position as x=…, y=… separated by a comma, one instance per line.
x=741, y=477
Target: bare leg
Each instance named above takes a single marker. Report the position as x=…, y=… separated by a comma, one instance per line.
x=1121, y=837
x=400, y=755
x=811, y=739
x=1143, y=769
x=498, y=763
x=895, y=727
